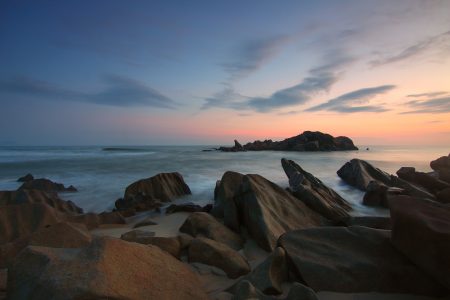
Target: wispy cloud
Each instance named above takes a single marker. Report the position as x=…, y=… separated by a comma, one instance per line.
x=251, y=55
x=319, y=79
x=433, y=106
x=431, y=94
x=351, y=102
x=440, y=42
x=119, y=91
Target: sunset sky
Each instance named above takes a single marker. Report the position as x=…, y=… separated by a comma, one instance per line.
x=206, y=72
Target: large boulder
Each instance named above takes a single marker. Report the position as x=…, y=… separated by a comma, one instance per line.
x=44, y=184
x=429, y=182
x=107, y=269
x=216, y=254
x=314, y=193
x=267, y=211
x=376, y=222
x=442, y=163
x=171, y=245
x=62, y=235
x=147, y=193
x=359, y=173
x=354, y=260
x=378, y=194
x=201, y=224
x=37, y=196
x=421, y=231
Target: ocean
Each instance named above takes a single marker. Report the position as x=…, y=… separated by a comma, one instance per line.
x=102, y=176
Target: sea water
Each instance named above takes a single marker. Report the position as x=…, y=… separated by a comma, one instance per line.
x=101, y=175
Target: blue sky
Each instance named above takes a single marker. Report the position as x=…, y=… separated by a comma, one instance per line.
x=204, y=72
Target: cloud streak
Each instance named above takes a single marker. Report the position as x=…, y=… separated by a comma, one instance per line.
x=351, y=102
x=431, y=94
x=434, y=106
x=440, y=41
x=119, y=91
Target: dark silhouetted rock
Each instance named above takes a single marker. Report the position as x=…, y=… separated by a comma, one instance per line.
x=444, y=196
x=202, y=224
x=307, y=141
x=46, y=185
x=216, y=254
x=431, y=183
x=442, y=163
x=25, y=178
x=354, y=260
x=184, y=207
x=107, y=269
x=377, y=194
x=314, y=193
x=37, y=196
x=421, y=231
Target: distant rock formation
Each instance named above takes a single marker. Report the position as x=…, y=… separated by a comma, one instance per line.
x=307, y=141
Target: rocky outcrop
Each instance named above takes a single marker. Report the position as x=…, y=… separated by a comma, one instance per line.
x=425, y=180
x=263, y=208
x=62, y=235
x=360, y=173
x=354, y=260
x=444, y=196
x=314, y=193
x=216, y=254
x=147, y=193
x=201, y=224
x=46, y=185
x=421, y=231
x=107, y=269
x=27, y=196
x=172, y=245
x=25, y=178
x=307, y=141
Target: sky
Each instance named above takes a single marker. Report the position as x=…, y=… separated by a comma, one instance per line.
x=207, y=72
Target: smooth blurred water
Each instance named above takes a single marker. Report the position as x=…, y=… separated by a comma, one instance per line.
x=102, y=176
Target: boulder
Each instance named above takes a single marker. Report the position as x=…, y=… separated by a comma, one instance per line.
x=314, y=193
x=18, y=221
x=267, y=211
x=107, y=269
x=378, y=194
x=184, y=207
x=25, y=178
x=113, y=217
x=421, y=231
x=62, y=235
x=354, y=260
x=216, y=254
x=442, y=163
x=202, y=224
x=138, y=236
x=38, y=196
x=91, y=220
x=269, y=275
x=444, y=196
x=46, y=185
x=431, y=183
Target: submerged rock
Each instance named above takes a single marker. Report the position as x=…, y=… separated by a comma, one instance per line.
x=314, y=193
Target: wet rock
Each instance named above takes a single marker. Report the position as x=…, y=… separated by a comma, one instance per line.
x=368, y=221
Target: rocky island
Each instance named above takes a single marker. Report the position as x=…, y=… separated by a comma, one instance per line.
x=307, y=141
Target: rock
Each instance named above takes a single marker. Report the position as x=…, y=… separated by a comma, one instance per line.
x=442, y=163
x=146, y=222
x=138, y=236
x=185, y=240
x=430, y=183
x=111, y=218
x=185, y=207
x=360, y=173
x=107, y=269
x=267, y=211
x=62, y=235
x=18, y=221
x=10, y=250
x=353, y=260
x=202, y=224
x=444, y=175
x=25, y=178
x=314, y=193
x=368, y=221
x=224, y=205
x=145, y=194
x=216, y=254
x=91, y=220
x=444, y=196
x=46, y=185
x=37, y=196
x=307, y=141
x=378, y=194
x=269, y=275
x=245, y=290
x=421, y=231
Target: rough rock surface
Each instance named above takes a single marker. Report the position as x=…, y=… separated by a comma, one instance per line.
x=307, y=141
x=352, y=260
x=62, y=235
x=107, y=269
x=44, y=184
x=442, y=163
x=202, y=224
x=171, y=245
x=421, y=231
x=368, y=221
x=314, y=193
x=38, y=196
x=216, y=254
